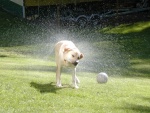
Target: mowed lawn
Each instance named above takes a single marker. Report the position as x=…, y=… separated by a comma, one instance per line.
x=27, y=68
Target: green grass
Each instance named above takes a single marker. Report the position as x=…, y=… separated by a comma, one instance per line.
x=128, y=28
x=27, y=70
x=29, y=87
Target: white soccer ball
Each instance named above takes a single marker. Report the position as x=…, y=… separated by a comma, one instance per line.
x=102, y=77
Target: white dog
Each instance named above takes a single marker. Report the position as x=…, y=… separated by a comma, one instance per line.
x=67, y=54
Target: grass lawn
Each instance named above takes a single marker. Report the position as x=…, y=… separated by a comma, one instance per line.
x=27, y=69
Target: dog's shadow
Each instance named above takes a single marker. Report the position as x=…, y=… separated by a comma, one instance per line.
x=47, y=88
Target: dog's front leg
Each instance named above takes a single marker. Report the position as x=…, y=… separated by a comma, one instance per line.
x=58, y=76
x=75, y=79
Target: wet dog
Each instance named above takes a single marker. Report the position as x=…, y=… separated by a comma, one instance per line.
x=67, y=54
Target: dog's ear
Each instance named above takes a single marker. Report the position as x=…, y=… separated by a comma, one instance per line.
x=81, y=56
x=67, y=49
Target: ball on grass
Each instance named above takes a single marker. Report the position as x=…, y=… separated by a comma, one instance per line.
x=102, y=77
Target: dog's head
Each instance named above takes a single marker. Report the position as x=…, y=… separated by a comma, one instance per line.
x=72, y=56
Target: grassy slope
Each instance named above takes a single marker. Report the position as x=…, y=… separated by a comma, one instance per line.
x=28, y=82
x=136, y=44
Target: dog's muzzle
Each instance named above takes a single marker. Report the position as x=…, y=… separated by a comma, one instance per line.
x=76, y=63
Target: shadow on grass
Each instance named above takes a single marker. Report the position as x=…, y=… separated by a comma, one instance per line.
x=31, y=68
x=137, y=108
x=140, y=72
x=146, y=98
x=44, y=88
x=47, y=88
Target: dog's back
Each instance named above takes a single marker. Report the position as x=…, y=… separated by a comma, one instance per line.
x=60, y=46
x=59, y=49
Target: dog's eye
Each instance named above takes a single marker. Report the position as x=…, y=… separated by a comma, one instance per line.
x=72, y=55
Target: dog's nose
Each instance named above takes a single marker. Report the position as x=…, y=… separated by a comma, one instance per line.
x=76, y=62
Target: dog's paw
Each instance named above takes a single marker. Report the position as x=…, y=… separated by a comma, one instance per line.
x=58, y=85
x=75, y=86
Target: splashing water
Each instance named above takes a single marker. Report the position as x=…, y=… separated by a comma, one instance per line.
x=101, y=52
